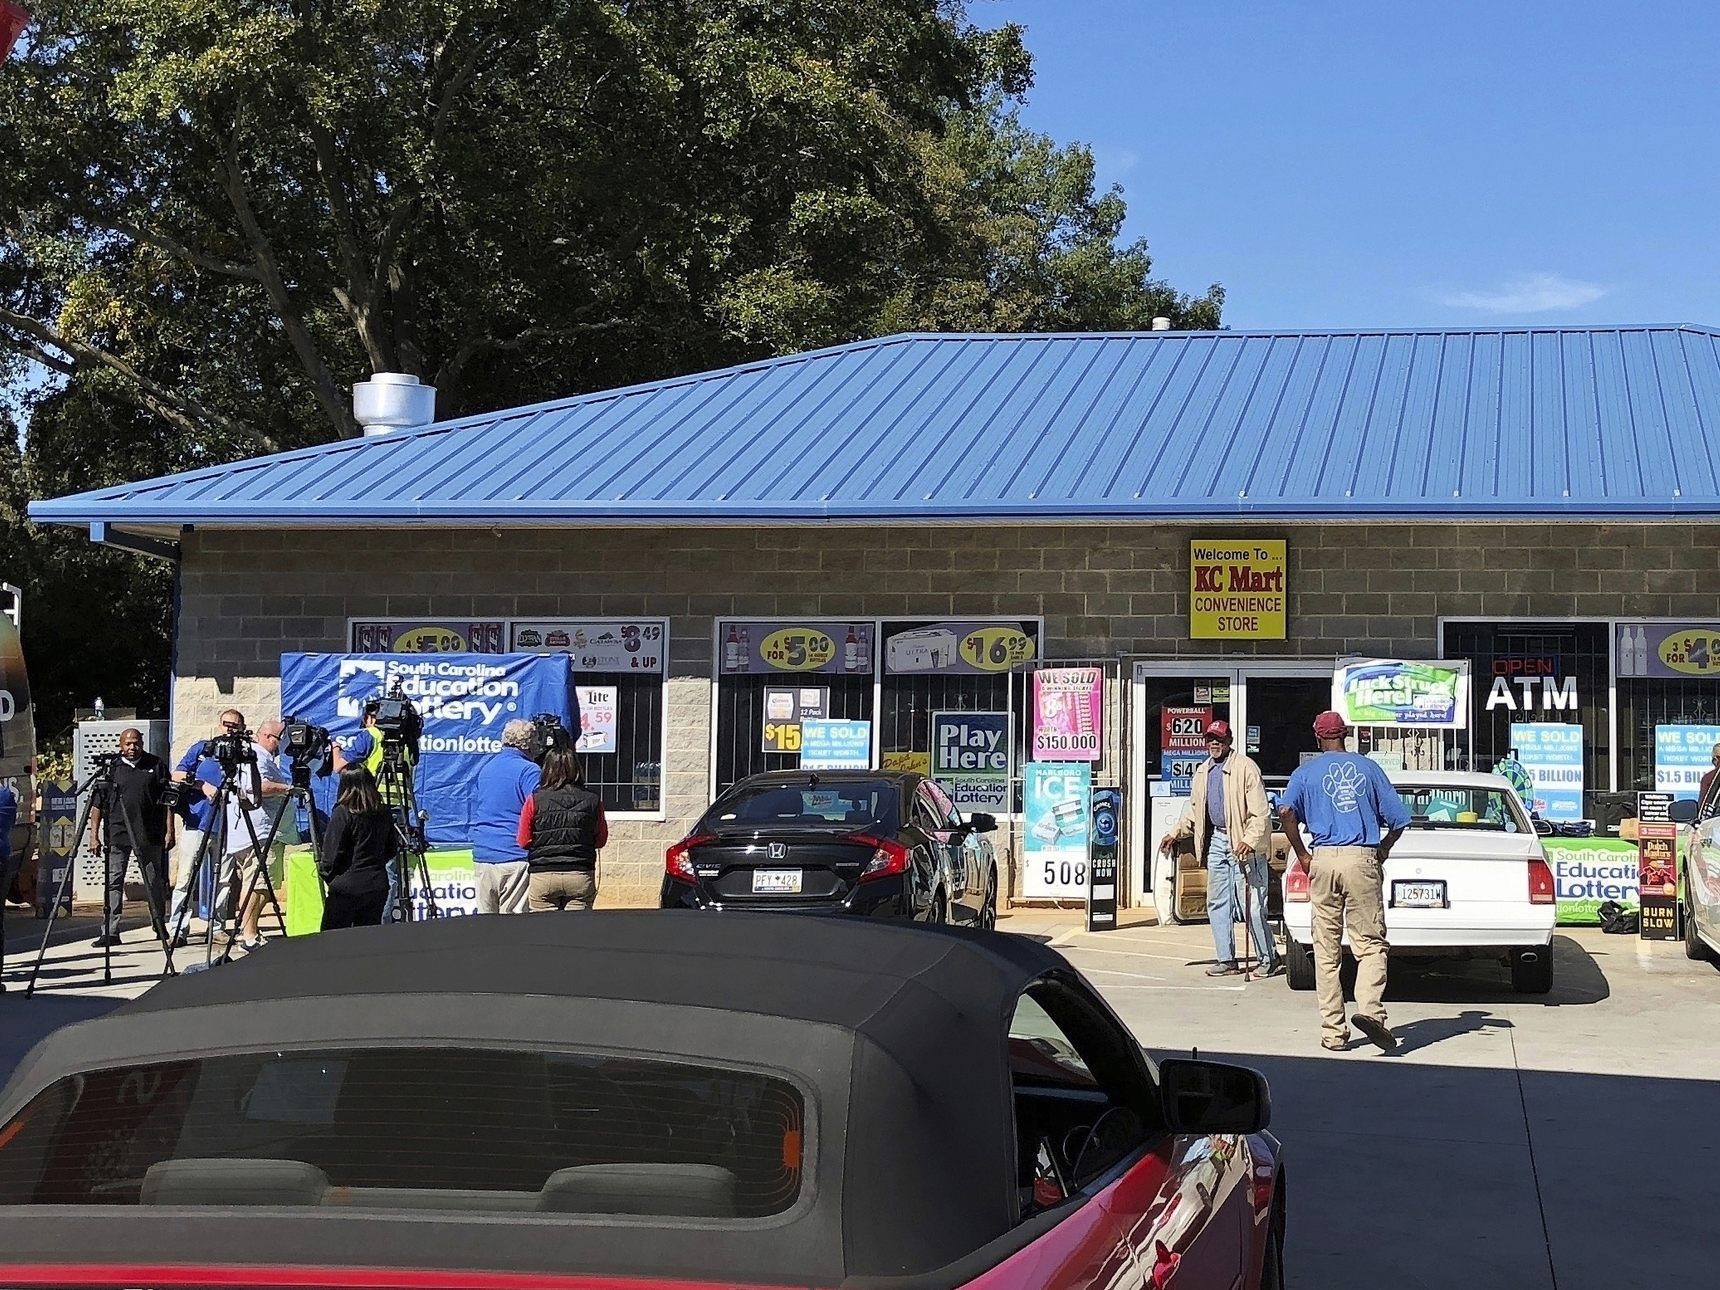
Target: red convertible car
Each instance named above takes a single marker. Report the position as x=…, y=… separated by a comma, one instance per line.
x=621, y=1100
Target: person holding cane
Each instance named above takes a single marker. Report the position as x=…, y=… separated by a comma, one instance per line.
x=1228, y=817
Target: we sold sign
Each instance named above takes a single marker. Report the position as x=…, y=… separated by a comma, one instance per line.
x=1236, y=590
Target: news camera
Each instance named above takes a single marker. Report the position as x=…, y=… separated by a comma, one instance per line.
x=397, y=721
x=310, y=746
x=547, y=733
x=104, y=761
x=233, y=750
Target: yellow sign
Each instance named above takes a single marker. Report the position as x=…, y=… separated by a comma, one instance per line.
x=798, y=649
x=916, y=762
x=996, y=649
x=1236, y=590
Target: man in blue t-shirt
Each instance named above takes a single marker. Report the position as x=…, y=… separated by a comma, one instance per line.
x=503, y=784
x=202, y=775
x=1355, y=817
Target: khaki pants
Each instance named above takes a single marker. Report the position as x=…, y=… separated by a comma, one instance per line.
x=502, y=886
x=562, y=889
x=1346, y=883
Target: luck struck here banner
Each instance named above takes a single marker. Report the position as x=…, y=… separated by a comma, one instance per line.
x=464, y=699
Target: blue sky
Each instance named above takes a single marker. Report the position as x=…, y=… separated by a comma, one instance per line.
x=1404, y=162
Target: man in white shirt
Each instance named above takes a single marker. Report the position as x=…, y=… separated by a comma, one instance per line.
x=257, y=783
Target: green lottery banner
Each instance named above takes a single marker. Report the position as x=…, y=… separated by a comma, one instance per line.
x=1057, y=798
x=1588, y=872
x=453, y=884
x=1432, y=695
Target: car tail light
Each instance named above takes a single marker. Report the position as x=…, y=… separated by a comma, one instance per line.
x=1297, y=886
x=887, y=857
x=1541, y=888
x=678, y=859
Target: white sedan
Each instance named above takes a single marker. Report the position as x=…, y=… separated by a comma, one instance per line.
x=1468, y=879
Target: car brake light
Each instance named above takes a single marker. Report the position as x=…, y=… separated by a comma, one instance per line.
x=678, y=859
x=1541, y=888
x=1296, y=884
x=887, y=857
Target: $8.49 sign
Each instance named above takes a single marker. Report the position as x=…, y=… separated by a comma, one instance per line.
x=798, y=649
x=996, y=649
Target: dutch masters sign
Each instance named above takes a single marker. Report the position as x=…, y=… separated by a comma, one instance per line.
x=1236, y=590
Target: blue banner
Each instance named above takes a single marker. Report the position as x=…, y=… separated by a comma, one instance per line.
x=1553, y=756
x=835, y=745
x=1682, y=756
x=464, y=699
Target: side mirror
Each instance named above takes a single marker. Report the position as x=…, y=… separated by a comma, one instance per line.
x=980, y=822
x=1203, y=1098
x=1543, y=827
x=1683, y=812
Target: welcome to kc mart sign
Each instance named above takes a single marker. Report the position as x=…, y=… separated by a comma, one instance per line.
x=1236, y=590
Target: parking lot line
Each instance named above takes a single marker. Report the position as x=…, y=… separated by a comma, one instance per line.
x=1128, y=954
x=1133, y=976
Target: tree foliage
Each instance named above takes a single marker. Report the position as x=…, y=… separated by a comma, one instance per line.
x=216, y=215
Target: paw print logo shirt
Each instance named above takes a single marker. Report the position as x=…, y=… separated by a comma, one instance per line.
x=1345, y=800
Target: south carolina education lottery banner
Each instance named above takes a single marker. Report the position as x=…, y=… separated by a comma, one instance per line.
x=1057, y=797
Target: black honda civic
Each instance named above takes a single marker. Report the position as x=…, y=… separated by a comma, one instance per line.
x=883, y=844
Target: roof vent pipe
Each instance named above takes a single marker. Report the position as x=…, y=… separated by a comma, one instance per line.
x=392, y=401
x=1161, y=324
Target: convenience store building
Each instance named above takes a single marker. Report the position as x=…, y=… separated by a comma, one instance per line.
x=909, y=525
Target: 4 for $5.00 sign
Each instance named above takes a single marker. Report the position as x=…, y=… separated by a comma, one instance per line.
x=1236, y=590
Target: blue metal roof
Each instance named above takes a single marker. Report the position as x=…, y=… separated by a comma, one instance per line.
x=1594, y=422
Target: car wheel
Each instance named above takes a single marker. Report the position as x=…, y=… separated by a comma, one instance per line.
x=988, y=911
x=1694, y=946
x=1532, y=970
x=1298, y=963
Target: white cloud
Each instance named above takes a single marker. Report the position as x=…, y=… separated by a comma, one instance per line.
x=1530, y=294
x=1113, y=161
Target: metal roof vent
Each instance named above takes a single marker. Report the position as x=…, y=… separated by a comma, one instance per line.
x=392, y=401
x=1161, y=324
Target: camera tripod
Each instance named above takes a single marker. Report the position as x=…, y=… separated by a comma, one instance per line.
x=394, y=784
x=218, y=823
x=99, y=783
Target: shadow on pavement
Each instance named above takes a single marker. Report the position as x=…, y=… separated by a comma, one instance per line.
x=1413, y=1175
x=1577, y=980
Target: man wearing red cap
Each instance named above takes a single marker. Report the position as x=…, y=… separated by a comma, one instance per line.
x=1231, y=824
x=1355, y=816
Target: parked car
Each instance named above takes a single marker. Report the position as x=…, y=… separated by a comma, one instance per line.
x=1468, y=879
x=634, y=1099
x=877, y=843
x=1700, y=884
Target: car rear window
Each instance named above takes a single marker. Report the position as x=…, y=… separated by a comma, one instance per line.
x=852, y=805
x=417, y=1128
x=1483, y=809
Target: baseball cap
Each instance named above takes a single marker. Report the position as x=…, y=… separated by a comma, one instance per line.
x=1330, y=725
x=1219, y=730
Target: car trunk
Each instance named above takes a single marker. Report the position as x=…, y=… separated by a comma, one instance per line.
x=790, y=867
x=1477, y=867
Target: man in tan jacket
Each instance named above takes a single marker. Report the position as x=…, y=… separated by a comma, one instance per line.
x=1231, y=824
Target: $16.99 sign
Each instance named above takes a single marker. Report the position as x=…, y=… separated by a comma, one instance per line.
x=1056, y=801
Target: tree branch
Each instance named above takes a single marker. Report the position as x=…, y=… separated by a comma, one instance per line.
x=359, y=296
x=162, y=242
x=448, y=375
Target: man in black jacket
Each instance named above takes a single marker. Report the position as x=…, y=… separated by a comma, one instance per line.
x=138, y=824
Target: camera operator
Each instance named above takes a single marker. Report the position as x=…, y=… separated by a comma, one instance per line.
x=562, y=829
x=357, y=850
x=201, y=775
x=138, y=823
x=368, y=749
x=505, y=783
x=260, y=777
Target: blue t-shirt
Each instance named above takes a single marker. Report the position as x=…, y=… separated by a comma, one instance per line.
x=1215, y=794
x=8, y=817
x=499, y=795
x=358, y=747
x=204, y=770
x=1345, y=800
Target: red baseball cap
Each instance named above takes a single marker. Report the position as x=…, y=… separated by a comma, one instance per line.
x=1331, y=725
x=1219, y=730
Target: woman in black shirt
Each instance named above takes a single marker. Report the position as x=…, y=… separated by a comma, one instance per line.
x=357, y=847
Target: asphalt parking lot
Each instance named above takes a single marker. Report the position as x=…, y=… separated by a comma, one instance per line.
x=1513, y=1141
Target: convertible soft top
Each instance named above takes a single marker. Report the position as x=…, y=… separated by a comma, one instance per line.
x=896, y=1033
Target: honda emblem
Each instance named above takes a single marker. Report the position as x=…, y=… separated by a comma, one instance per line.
x=778, y=851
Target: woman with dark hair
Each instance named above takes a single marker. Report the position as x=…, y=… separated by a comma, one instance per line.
x=359, y=843
x=562, y=828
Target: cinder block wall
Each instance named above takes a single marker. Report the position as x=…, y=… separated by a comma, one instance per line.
x=1104, y=590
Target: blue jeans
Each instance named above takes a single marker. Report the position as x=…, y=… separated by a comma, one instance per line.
x=1225, y=875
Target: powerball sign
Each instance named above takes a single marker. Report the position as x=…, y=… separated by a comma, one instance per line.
x=1236, y=590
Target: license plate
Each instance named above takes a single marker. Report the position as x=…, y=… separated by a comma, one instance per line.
x=778, y=881
x=1418, y=895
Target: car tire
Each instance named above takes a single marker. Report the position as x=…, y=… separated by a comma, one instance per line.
x=1532, y=976
x=1298, y=963
x=1694, y=946
x=988, y=909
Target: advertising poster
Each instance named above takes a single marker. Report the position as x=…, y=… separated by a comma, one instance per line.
x=958, y=648
x=1588, y=872
x=594, y=644
x=914, y=763
x=425, y=636
x=761, y=648
x=1682, y=756
x=1657, y=866
x=1107, y=848
x=59, y=845
x=1068, y=704
x=835, y=745
x=1667, y=650
x=970, y=758
x=597, y=705
x=1057, y=801
x=1553, y=756
x=1182, y=746
x=1236, y=590
x=464, y=700
x=1391, y=692
x=785, y=708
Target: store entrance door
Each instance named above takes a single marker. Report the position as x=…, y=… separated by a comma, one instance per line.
x=1271, y=706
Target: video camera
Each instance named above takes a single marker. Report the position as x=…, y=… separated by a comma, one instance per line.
x=547, y=733
x=232, y=750
x=310, y=746
x=397, y=721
